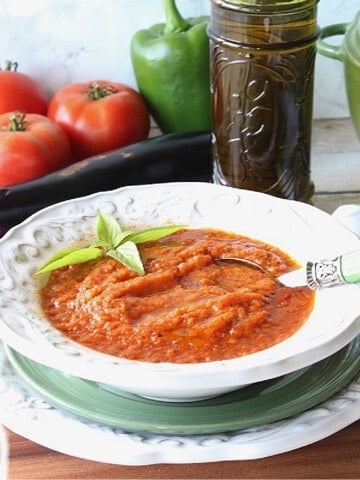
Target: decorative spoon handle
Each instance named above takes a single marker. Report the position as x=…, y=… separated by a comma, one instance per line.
x=326, y=273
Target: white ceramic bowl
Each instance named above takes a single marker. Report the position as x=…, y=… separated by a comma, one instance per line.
x=301, y=230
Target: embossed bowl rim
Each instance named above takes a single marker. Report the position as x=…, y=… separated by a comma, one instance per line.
x=302, y=230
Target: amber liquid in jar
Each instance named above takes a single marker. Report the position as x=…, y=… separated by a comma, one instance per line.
x=262, y=62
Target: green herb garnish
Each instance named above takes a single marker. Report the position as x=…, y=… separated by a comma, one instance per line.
x=113, y=241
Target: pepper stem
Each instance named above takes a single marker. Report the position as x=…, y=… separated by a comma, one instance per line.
x=174, y=21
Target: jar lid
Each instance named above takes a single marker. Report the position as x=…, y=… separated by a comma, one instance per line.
x=265, y=6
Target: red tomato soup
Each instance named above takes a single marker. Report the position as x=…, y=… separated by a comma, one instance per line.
x=187, y=308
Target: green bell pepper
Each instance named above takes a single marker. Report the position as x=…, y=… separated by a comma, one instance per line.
x=172, y=71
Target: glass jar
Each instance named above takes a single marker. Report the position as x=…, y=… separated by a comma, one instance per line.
x=262, y=78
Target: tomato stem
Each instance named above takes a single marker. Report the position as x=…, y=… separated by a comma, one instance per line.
x=96, y=92
x=11, y=66
x=17, y=122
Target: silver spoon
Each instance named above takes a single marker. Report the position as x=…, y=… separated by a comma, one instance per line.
x=324, y=273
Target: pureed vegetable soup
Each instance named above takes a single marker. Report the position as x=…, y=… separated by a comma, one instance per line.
x=187, y=308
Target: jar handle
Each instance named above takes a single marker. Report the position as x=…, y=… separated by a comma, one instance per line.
x=325, y=48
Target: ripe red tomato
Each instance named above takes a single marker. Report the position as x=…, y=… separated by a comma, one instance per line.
x=30, y=146
x=21, y=92
x=99, y=116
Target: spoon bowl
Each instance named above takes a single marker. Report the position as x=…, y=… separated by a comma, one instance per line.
x=324, y=273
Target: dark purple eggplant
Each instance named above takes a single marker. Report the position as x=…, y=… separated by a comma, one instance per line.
x=166, y=158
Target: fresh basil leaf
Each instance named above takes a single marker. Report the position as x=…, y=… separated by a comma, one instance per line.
x=112, y=240
x=70, y=256
x=154, y=233
x=109, y=231
x=128, y=254
x=58, y=255
x=106, y=246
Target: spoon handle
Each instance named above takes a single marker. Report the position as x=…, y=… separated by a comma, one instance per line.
x=326, y=273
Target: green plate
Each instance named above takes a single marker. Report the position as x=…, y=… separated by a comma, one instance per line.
x=254, y=405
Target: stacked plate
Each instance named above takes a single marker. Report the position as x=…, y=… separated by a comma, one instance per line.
x=287, y=396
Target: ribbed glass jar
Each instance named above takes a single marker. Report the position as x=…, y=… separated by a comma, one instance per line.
x=262, y=76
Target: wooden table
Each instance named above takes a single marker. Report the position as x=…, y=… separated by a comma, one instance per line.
x=336, y=173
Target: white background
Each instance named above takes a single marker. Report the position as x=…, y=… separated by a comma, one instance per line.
x=60, y=41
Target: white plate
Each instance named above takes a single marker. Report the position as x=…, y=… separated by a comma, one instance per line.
x=303, y=231
x=25, y=413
